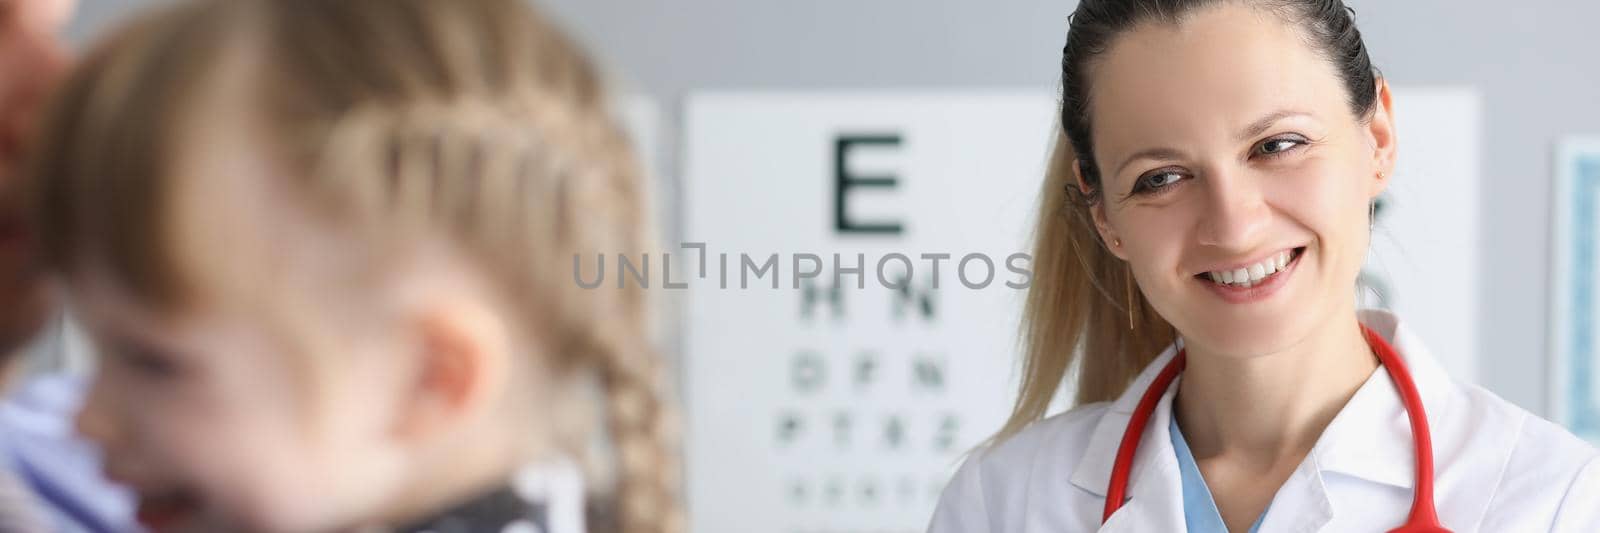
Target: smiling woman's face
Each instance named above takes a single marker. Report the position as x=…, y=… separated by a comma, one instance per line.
x=1226, y=141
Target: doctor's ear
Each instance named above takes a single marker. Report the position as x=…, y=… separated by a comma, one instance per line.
x=1381, y=132
x=1097, y=210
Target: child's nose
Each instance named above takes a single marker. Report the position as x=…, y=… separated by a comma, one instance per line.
x=93, y=421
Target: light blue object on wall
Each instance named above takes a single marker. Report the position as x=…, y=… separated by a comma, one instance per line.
x=1574, y=317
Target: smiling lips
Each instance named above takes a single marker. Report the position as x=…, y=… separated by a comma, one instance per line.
x=1251, y=275
x=1255, y=274
x=1253, y=283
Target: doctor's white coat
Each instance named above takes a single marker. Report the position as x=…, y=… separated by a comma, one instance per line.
x=1497, y=467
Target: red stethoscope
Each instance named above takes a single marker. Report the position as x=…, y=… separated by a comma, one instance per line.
x=1423, y=516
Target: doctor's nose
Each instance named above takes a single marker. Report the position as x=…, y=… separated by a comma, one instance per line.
x=1235, y=212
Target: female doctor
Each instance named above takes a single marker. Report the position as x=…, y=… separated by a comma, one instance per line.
x=1196, y=260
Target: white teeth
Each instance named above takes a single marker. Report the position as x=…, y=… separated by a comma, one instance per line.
x=1252, y=275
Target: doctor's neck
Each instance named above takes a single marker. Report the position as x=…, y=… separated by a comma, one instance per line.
x=1272, y=406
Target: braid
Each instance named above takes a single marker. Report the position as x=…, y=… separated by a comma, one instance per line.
x=511, y=156
x=477, y=173
x=643, y=431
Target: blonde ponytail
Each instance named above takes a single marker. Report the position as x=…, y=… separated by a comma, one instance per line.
x=1078, y=303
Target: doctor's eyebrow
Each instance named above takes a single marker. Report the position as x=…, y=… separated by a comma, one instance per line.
x=1260, y=125
x=1158, y=153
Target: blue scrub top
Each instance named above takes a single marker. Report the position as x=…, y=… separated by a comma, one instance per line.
x=1200, y=512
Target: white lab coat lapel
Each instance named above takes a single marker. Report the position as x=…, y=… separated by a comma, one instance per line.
x=1352, y=444
x=1369, y=439
x=1302, y=502
x=1155, y=492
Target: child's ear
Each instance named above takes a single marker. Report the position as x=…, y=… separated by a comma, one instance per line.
x=460, y=357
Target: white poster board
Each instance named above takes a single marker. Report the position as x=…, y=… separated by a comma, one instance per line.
x=844, y=408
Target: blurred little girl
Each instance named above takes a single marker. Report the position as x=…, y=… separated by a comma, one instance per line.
x=327, y=251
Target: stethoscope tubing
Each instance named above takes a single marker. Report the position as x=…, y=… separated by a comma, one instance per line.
x=1424, y=517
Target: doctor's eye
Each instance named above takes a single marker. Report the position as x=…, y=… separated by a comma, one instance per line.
x=1278, y=146
x=1157, y=182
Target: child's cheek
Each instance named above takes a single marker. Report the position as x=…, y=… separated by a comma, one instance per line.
x=238, y=460
x=269, y=495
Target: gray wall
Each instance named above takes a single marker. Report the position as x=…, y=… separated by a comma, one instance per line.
x=1536, y=63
